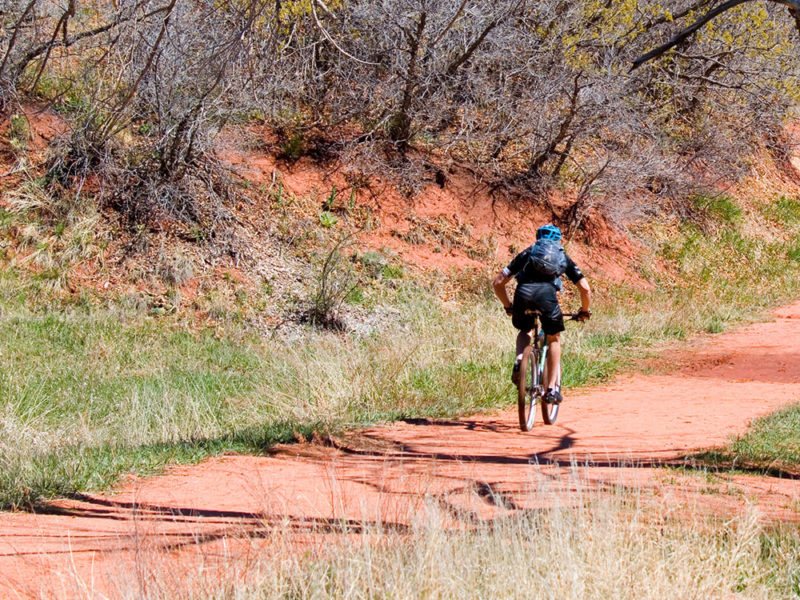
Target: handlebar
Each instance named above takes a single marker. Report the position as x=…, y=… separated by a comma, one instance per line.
x=569, y=316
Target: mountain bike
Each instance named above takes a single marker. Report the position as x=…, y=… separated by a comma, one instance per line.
x=533, y=374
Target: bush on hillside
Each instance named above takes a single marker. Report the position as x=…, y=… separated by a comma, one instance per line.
x=537, y=95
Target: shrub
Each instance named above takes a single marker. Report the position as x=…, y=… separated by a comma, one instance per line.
x=334, y=282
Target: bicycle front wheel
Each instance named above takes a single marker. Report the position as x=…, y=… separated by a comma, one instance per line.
x=528, y=387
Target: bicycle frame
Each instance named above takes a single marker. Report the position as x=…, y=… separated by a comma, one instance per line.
x=543, y=357
x=539, y=340
x=529, y=395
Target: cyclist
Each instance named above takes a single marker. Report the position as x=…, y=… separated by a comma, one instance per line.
x=538, y=281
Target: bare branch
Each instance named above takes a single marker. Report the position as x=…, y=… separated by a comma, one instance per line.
x=330, y=39
x=793, y=5
x=447, y=27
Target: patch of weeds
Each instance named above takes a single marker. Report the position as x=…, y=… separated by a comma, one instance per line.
x=19, y=132
x=472, y=284
x=175, y=270
x=218, y=311
x=720, y=208
x=577, y=369
x=327, y=219
x=294, y=147
x=197, y=234
x=675, y=331
x=771, y=447
x=334, y=282
x=50, y=87
x=276, y=194
x=793, y=253
x=53, y=278
x=356, y=295
x=6, y=218
x=267, y=287
x=392, y=271
x=715, y=325
x=59, y=228
x=607, y=339
x=73, y=104
x=772, y=439
x=439, y=230
x=446, y=389
x=172, y=299
x=784, y=210
x=328, y=204
x=484, y=250
x=373, y=263
x=133, y=304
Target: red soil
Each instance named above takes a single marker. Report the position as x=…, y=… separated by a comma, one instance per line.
x=226, y=512
x=462, y=224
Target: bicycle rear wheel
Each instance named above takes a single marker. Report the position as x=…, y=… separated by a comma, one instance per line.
x=528, y=387
x=550, y=411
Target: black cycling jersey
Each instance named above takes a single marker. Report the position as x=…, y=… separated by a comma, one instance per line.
x=516, y=267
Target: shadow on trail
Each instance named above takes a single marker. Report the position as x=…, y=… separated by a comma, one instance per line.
x=396, y=449
x=210, y=525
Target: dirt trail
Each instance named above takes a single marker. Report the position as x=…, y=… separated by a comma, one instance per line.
x=222, y=513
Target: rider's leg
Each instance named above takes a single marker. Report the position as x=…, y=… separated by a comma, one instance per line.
x=553, y=360
x=523, y=339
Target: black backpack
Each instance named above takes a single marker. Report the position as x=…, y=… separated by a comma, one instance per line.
x=546, y=258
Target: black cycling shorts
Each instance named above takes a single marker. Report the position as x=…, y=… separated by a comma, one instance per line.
x=541, y=297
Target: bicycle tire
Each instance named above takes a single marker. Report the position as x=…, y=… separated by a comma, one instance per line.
x=528, y=387
x=550, y=411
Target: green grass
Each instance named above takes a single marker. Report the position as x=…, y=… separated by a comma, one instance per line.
x=784, y=210
x=90, y=391
x=771, y=446
x=720, y=207
x=772, y=439
x=87, y=393
x=94, y=387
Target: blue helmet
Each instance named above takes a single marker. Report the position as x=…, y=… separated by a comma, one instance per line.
x=548, y=232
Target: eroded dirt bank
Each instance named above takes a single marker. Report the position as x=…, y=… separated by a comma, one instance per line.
x=223, y=513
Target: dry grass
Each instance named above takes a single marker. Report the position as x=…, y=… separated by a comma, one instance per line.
x=588, y=546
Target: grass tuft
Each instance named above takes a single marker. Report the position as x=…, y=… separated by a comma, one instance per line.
x=721, y=208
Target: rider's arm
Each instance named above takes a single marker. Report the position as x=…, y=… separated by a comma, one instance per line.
x=504, y=276
x=586, y=293
x=499, y=285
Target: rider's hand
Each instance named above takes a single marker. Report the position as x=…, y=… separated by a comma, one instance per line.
x=509, y=309
x=583, y=315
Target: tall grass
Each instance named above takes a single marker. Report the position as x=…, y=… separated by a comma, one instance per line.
x=587, y=547
x=601, y=553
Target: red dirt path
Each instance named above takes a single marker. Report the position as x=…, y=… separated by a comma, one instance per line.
x=223, y=513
